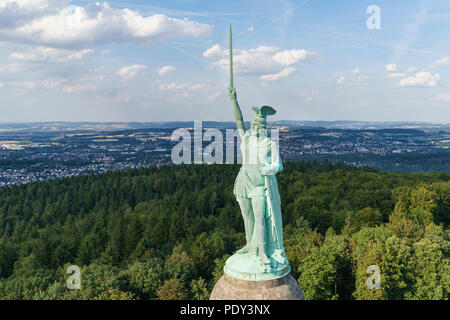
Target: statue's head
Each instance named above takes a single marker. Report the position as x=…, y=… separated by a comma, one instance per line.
x=258, y=125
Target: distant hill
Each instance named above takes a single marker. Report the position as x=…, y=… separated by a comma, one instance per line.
x=106, y=126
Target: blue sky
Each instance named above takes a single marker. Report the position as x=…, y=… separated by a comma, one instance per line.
x=167, y=60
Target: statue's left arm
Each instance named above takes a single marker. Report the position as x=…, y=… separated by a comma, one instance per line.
x=275, y=165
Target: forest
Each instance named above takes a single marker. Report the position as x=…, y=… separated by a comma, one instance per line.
x=166, y=232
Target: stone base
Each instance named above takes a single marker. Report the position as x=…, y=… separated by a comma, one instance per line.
x=285, y=288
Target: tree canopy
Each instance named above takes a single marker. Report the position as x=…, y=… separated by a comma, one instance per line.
x=165, y=233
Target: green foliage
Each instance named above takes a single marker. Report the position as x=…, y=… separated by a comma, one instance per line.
x=432, y=266
x=172, y=289
x=199, y=289
x=325, y=272
x=114, y=294
x=144, y=278
x=317, y=273
x=97, y=278
x=205, y=249
x=366, y=217
x=380, y=247
x=180, y=266
x=165, y=233
x=219, y=264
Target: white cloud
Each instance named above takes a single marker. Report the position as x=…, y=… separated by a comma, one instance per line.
x=290, y=57
x=80, y=54
x=46, y=83
x=45, y=54
x=444, y=97
x=286, y=72
x=81, y=88
x=396, y=75
x=271, y=63
x=412, y=69
x=30, y=4
x=12, y=68
x=85, y=84
x=13, y=13
x=105, y=52
x=199, y=86
x=312, y=96
x=166, y=69
x=421, y=79
x=215, y=51
x=130, y=72
x=185, y=86
x=95, y=24
x=251, y=29
x=172, y=86
x=187, y=90
x=391, y=67
x=441, y=62
x=214, y=96
x=351, y=78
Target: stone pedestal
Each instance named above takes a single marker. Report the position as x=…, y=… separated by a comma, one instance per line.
x=228, y=288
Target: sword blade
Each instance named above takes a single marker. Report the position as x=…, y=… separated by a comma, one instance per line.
x=231, y=59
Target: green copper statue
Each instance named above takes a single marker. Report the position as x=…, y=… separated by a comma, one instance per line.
x=256, y=190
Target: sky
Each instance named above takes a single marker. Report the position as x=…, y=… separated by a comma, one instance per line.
x=167, y=60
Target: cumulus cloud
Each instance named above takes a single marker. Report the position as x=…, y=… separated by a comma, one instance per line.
x=172, y=86
x=81, y=88
x=421, y=79
x=391, y=67
x=396, y=75
x=214, y=96
x=184, y=86
x=85, y=84
x=45, y=54
x=12, y=67
x=46, y=83
x=441, y=62
x=270, y=63
x=215, y=51
x=166, y=69
x=187, y=90
x=14, y=13
x=80, y=54
x=351, y=78
x=94, y=24
x=286, y=72
x=130, y=72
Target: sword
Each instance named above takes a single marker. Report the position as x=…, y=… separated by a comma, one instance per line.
x=231, y=60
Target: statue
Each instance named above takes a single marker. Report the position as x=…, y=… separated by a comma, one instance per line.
x=256, y=190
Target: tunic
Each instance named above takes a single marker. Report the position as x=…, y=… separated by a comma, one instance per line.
x=259, y=158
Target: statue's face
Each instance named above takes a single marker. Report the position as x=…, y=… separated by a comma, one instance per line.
x=257, y=130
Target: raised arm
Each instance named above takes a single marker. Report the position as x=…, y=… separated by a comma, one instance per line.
x=237, y=112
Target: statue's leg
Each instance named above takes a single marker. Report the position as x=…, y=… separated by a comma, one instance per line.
x=247, y=214
x=259, y=208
